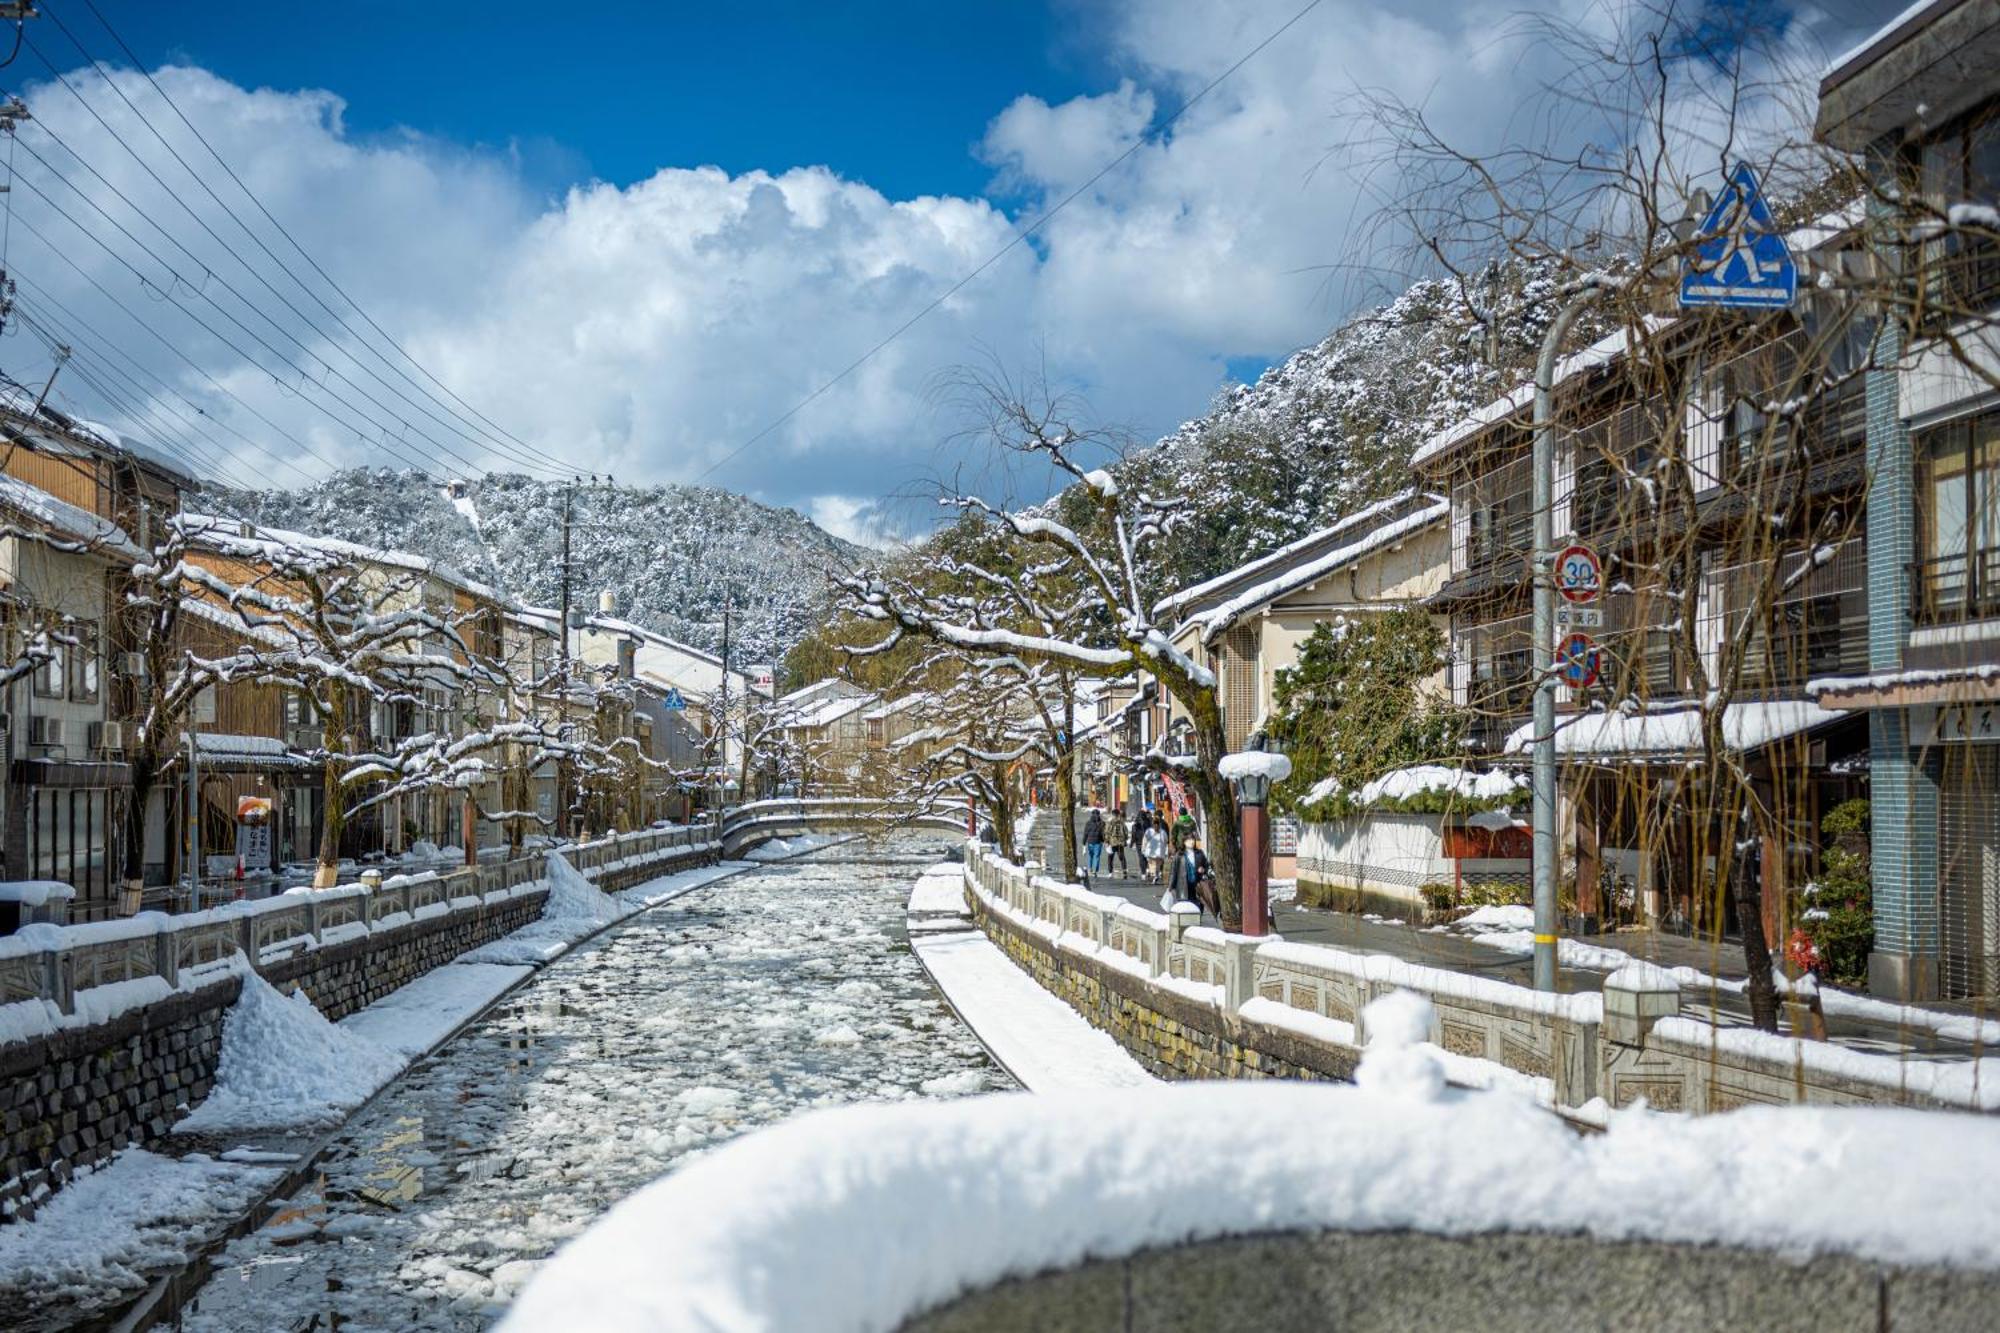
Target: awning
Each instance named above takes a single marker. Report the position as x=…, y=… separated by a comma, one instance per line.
x=1674, y=732
x=225, y=753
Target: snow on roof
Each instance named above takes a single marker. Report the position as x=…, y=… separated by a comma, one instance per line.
x=1745, y=726
x=1879, y=40
x=1283, y=555
x=1979, y=672
x=216, y=528
x=1600, y=353
x=64, y=519
x=20, y=402
x=243, y=751
x=894, y=706
x=1402, y=783
x=825, y=712
x=1220, y=617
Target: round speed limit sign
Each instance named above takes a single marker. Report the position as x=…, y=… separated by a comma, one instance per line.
x=1579, y=574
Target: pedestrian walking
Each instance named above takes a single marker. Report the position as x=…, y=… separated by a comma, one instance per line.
x=1141, y=821
x=1192, y=880
x=1116, y=834
x=1093, y=837
x=1183, y=826
x=1155, y=849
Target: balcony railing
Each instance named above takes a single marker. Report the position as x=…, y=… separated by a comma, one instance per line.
x=1957, y=588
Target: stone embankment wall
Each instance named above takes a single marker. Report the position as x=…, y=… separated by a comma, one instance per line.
x=1498, y=1283
x=1194, y=1002
x=121, y=1026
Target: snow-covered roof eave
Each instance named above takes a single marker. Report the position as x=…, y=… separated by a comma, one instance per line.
x=1219, y=618
x=216, y=528
x=1675, y=732
x=65, y=520
x=1174, y=601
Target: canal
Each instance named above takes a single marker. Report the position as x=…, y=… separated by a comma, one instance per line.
x=782, y=988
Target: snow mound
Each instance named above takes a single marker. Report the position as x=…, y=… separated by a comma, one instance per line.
x=574, y=898
x=965, y=1193
x=1398, y=1063
x=1510, y=917
x=284, y=1065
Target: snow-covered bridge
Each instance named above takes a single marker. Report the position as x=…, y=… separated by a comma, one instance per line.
x=744, y=826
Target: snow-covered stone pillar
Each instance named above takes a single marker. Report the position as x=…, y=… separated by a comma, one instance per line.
x=1636, y=997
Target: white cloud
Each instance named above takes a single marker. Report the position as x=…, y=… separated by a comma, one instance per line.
x=647, y=331
x=863, y=521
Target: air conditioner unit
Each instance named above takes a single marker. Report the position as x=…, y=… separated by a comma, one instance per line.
x=45, y=731
x=304, y=738
x=107, y=736
x=132, y=665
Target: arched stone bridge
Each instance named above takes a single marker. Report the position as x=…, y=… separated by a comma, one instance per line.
x=744, y=826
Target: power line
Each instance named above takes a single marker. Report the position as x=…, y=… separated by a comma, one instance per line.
x=497, y=432
x=450, y=421
x=201, y=289
x=1016, y=239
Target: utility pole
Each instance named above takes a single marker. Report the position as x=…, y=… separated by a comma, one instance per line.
x=1543, y=655
x=564, y=768
x=722, y=750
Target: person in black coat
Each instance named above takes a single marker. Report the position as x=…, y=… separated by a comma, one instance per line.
x=1192, y=880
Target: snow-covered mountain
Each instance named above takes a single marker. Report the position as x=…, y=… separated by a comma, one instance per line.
x=672, y=554
x=1332, y=428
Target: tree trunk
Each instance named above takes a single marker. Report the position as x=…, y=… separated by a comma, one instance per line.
x=333, y=818
x=1749, y=885
x=1218, y=799
x=1066, y=798
x=145, y=772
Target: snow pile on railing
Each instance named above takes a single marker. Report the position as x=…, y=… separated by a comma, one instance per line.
x=861, y=1217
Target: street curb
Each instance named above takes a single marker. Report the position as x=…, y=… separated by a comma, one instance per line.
x=168, y=1293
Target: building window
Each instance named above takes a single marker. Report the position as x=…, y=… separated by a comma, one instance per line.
x=85, y=664
x=1959, y=570
x=69, y=838
x=55, y=657
x=1958, y=270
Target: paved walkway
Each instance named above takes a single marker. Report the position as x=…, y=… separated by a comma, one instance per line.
x=1458, y=952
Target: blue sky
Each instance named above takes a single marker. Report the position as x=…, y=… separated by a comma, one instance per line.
x=637, y=234
x=896, y=94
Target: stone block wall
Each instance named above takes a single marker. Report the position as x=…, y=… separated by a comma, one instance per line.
x=76, y=1096
x=1173, y=1035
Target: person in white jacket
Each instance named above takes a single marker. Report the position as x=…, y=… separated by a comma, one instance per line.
x=1154, y=849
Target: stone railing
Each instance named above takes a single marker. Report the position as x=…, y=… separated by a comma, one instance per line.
x=1232, y=1004
x=110, y=1030
x=758, y=821
x=55, y=963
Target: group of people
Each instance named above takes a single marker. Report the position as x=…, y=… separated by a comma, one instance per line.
x=1152, y=837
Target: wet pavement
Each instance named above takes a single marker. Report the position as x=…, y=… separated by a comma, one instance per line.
x=783, y=988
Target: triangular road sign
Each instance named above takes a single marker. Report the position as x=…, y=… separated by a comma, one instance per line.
x=1740, y=256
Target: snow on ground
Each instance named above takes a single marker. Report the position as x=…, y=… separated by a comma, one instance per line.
x=1042, y=1041
x=777, y=849
x=939, y=891
x=575, y=909
x=416, y=1017
x=788, y=987
x=91, y=1245
x=283, y=1065
x=879, y=1212
x=1512, y=929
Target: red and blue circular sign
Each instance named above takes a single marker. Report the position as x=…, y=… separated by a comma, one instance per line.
x=1578, y=662
x=1579, y=574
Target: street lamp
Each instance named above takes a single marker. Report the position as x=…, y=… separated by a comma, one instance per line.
x=1252, y=771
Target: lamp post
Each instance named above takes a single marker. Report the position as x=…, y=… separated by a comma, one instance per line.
x=1252, y=771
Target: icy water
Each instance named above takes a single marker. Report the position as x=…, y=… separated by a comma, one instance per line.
x=783, y=988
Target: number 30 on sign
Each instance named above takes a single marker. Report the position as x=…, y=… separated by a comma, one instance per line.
x=1579, y=574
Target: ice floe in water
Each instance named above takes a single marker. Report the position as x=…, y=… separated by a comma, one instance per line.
x=784, y=988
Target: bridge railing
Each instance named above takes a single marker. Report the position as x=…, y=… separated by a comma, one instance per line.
x=55, y=963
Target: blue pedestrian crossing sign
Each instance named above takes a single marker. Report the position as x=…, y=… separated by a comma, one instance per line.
x=1740, y=257
x=674, y=700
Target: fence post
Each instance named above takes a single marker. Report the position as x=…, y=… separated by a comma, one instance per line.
x=246, y=938
x=166, y=955
x=59, y=980
x=1239, y=971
